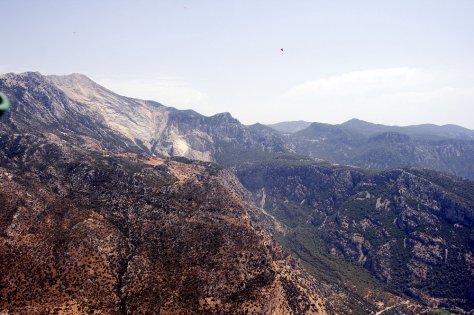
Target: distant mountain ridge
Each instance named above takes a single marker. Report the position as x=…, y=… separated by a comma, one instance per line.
x=100, y=164
x=444, y=148
x=432, y=131
x=290, y=126
x=74, y=108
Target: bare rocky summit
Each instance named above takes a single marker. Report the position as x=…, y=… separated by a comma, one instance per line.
x=75, y=108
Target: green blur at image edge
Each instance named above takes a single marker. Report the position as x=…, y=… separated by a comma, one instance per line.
x=4, y=103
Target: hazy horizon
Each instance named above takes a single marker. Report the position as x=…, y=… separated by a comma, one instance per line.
x=403, y=63
x=258, y=122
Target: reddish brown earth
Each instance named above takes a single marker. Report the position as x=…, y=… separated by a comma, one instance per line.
x=85, y=233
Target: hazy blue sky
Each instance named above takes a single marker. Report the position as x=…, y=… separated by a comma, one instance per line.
x=392, y=62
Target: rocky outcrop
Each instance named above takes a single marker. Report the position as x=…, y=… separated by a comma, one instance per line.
x=82, y=232
x=98, y=217
x=409, y=228
x=78, y=110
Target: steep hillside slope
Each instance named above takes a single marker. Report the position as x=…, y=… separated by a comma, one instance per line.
x=39, y=107
x=76, y=109
x=82, y=232
x=97, y=217
x=79, y=110
x=410, y=229
x=165, y=130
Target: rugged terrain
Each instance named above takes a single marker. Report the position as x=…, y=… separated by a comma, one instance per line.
x=83, y=232
x=114, y=205
x=75, y=108
x=449, y=148
x=410, y=229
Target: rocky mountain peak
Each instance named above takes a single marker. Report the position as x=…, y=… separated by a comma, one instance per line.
x=290, y=126
x=356, y=122
x=224, y=117
x=77, y=78
x=78, y=86
x=25, y=79
x=96, y=113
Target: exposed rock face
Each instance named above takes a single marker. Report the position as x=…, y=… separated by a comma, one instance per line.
x=77, y=109
x=41, y=108
x=96, y=218
x=81, y=232
x=409, y=228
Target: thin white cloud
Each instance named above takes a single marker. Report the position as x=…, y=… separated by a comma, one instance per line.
x=168, y=91
x=359, y=82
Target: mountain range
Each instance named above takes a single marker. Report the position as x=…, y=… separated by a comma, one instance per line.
x=128, y=206
x=78, y=104
x=446, y=148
